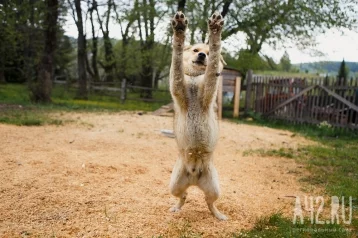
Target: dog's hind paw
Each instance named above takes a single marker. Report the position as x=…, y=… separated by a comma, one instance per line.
x=179, y=22
x=216, y=23
x=221, y=217
x=174, y=209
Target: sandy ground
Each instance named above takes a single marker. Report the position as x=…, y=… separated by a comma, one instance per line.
x=107, y=175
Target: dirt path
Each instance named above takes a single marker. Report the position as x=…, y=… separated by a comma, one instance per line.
x=107, y=175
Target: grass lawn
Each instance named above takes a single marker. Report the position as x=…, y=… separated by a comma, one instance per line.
x=333, y=166
x=16, y=107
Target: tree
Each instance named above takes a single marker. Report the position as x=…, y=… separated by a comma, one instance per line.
x=148, y=14
x=343, y=73
x=285, y=62
x=109, y=62
x=248, y=61
x=94, y=47
x=41, y=92
x=181, y=5
x=272, y=21
x=125, y=18
x=81, y=49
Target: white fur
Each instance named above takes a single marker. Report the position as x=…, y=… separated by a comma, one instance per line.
x=193, y=87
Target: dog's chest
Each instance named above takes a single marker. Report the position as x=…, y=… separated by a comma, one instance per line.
x=193, y=92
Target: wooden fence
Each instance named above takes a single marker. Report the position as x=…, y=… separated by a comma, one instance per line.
x=123, y=91
x=301, y=100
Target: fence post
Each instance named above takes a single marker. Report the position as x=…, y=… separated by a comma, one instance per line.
x=248, y=91
x=220, y=97
x=237, y=97
x=123, y=90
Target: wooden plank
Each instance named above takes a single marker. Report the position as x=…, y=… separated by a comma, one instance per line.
x=291, y=99
x=228, y=88
x=339, y=98
x=237, y=97
x=248, y=91
x=271, y=93
x=351, y=96
x=220, y=97
x=146, y=88
x=123, y=90
x=265, y=101
x=356, y=99
x=315, y=100
x=164, y=110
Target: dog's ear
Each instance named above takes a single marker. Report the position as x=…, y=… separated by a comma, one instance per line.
x=187, y=47
x=222, y=60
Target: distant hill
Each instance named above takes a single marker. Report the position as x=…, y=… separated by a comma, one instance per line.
x=326, y=66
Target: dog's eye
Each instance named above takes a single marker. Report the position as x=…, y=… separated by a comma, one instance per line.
x=195, y=50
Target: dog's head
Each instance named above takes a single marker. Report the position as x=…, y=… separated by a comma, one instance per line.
x=196, y=58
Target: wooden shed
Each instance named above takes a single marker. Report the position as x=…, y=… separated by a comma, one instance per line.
x=230, y=84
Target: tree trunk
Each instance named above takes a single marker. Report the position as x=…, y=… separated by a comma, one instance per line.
x=43, y=87
x=109, y=58
x=147, y=46
x=146, y=80
x=2, y=75
x=29, y=54
x=109, y=64
x=94, y=44
x=181, y=5
x=81, y=54
x=226, y=6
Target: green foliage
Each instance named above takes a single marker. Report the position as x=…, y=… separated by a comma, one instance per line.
x=266, y=22
x=247, y=61
x=133, y=61
x=285, y=62
x=343, y=71
x=65, y=55
x=327, y=66
x=22, y=40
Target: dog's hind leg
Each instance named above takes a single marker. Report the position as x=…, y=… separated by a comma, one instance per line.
x=178, y=184
x=209, y=183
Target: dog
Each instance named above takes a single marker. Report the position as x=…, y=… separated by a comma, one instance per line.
x=194, y=76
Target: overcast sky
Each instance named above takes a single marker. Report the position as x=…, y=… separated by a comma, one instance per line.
x=335, y=44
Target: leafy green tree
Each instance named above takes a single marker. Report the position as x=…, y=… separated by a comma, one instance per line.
x=246, y=61
x=343, y=72
x=65, y=55
x=272, y=21
x=271, y=63
x=285, y=62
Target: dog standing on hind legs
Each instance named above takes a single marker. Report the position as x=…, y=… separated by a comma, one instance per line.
x=193, y=84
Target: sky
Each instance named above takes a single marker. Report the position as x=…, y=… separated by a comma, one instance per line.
x=335, y=44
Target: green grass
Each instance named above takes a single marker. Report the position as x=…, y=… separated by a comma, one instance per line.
x=276, y=225
x=19, y=110
x=333, y=165
x=26, y=117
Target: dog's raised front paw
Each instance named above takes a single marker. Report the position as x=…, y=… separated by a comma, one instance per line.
x=179, y=22
x=215, y=23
